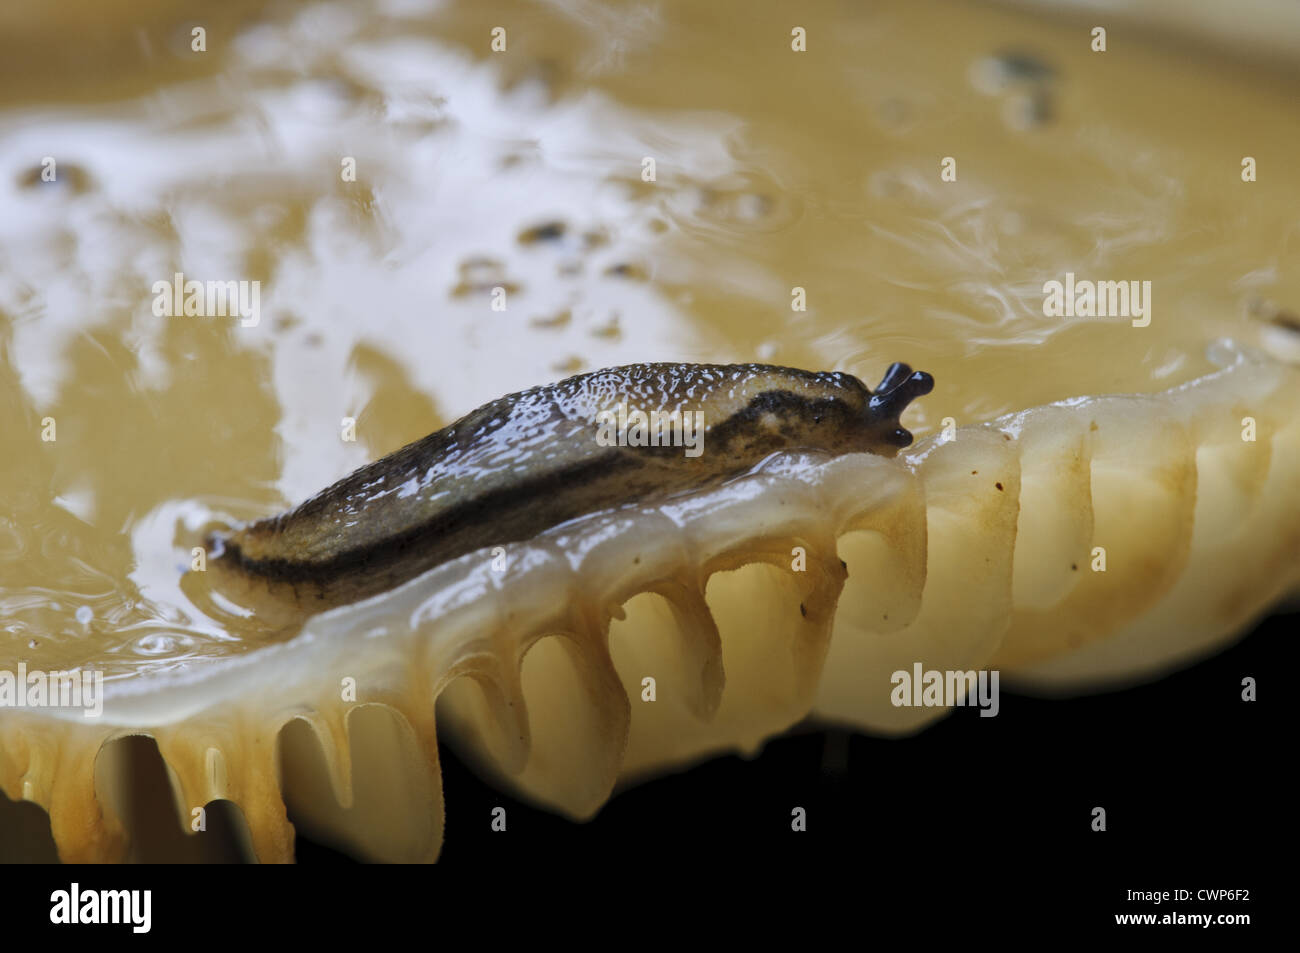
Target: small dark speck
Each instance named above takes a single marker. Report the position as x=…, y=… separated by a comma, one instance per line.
x=998, y=485
x=557, y=320
x=973, y=472
x=843, y=564
x=67, y=177
x=886, y=616
x=626, y=270
x=1017, y=65
x=803, y=611
x=1074, y=566
x=1006, y=436
x=548, y=232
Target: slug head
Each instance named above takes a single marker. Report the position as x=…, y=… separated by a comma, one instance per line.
x=898, y=388
x=785, y=408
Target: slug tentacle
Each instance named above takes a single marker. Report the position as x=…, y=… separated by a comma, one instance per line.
x=898, y=388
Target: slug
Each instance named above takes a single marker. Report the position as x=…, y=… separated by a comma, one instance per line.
x=532, y=460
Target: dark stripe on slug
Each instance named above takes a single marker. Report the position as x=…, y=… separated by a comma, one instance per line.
x=540, y=499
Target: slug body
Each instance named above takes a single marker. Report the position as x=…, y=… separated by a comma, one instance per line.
x=532, y=460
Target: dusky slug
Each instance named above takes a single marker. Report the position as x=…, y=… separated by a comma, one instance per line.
x=529, y=461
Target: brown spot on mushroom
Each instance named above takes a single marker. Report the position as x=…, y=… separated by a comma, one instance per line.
x=557, y=320
x=627, y=270
x=546, y=232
